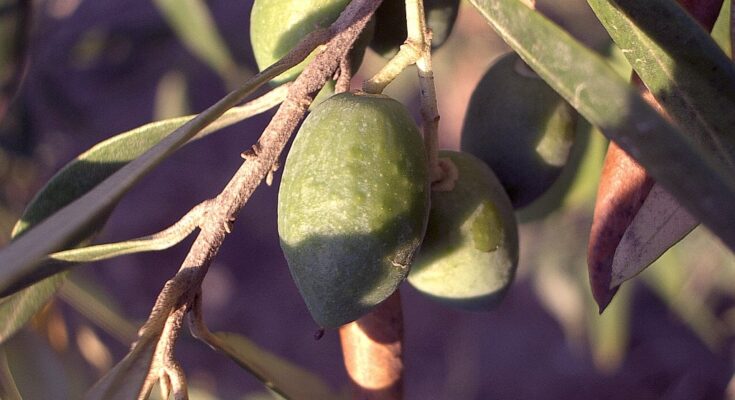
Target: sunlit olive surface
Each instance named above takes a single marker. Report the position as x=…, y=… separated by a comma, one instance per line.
x=470, y=253
x=353, y=204
x=276, y=26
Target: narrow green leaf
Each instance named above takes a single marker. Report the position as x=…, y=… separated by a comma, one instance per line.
x=702, y=183
x=79, y=177
x=680, y=64
x=17, y=310
x=279, y=375
x=158, y=241
x=93, y=166
x=194, y=25
x=127, y=379
x=20, y=261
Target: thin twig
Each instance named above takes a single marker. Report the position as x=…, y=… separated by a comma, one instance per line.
x=157, y=241
x=345, y=75
x=407, y=55
x=175, y=375
x=419, y=33
x=163, y=359
x=182, y=289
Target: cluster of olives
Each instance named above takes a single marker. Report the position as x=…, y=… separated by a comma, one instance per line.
x=356, y=213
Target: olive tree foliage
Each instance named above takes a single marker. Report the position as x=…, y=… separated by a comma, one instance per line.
x=674, y=122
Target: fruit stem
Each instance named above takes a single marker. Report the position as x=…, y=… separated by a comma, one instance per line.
x=410, y=52
x=420, y=35
x=373, y=352
x=407, y=55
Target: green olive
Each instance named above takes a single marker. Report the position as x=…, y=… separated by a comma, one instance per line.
x=520, y=127
x=390, y=32
x=470, y=252
x=276, y=26
x=353, y=204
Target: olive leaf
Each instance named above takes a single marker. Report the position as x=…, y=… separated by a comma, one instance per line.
x=74, y=222
x=681, y=65
x=16, y=310
x=80, y=176
x=105, y=158
x=196, y=29
x=158, y=241
x=279, y=375
x=608, y=101
x=659, y=224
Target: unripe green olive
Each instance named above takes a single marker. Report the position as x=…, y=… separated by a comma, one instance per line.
x=520, y=127
x=353, y=204
x=555, y=197
x=470, y=252
x=390, y=17
x=276, y=26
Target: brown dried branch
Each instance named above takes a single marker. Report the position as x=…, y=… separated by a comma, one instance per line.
x=179, y=292
x=345, y=75
x=372, y=348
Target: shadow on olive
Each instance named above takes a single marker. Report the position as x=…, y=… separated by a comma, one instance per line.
x=353, y=204
x=520, y=127
x=469, y=254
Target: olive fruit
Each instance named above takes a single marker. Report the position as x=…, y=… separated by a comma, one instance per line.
x=520, y=127
x=390, y=17
x=560, y=191
x=276, y=26
x=353, y=204
x=470, y=252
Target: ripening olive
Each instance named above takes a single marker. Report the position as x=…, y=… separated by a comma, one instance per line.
x=276, y=26
x=520, y=127
x=470, y=252
x=353, y=204
x=390, y=17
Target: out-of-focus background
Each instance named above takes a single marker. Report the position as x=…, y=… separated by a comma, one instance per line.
x=101, y=67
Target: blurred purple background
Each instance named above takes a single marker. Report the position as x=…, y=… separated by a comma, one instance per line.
x=79, y=91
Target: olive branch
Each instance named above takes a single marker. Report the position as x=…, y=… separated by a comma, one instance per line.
x=156, y=339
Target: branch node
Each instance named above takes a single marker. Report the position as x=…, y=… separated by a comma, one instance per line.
x=228, y=225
